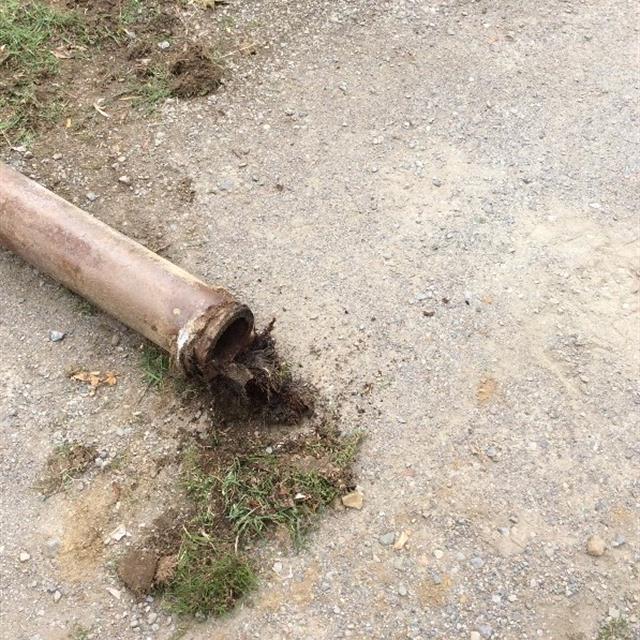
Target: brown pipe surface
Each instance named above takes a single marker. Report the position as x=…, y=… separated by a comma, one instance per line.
x=203, y=327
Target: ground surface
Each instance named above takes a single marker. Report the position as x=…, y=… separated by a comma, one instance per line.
x=438, y=202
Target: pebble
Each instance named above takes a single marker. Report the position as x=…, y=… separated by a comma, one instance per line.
x=56, y=336
x=596, y=546
x=438, y=554
x=353, y=500
x=477, y=562
x=436, y=182
x=91, y=196
x=429, y=313
x=387, y=538
x=475, y=636
x=51, y=547
x=164, y=44
x=618, y=541
x=152, y=617
x=56, y=596
x=124, y=179
x=492, y=453
x=24, y=556
x=57, y=156
x=402, y=590
x=486, y=631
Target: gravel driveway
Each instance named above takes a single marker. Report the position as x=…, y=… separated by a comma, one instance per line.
x=439, y=204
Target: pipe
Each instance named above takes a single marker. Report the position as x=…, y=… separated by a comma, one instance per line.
x=202, y=327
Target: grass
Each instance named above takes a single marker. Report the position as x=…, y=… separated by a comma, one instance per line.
x=242, y=492
x=28, y=33
x=155, y=366
x=615, y=629
x=154, y=90
x=209, y=579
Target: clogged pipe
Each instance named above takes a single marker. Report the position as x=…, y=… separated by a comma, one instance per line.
x=202, y=327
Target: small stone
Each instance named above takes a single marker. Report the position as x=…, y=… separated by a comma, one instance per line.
x=438, y=553
x=118, y=533
x=226, y=185
x=402, y=590
x=596, y=546
x=387, y=538
x=124, y=180
x=57, y=156
x=492, y=453
x=91, y=196
x=24, y=556
x=165, y=44
x=477, y=562
x=436, y=182
x=115, y=340
x=114, y=592
x=51, y=547
x=353, y=500
x=28, y=155
x=152, y=617
x=475, y=636
x=428, y=313
x=56, y=596
x=618, y=541
x=56, y=336
x=486, y=631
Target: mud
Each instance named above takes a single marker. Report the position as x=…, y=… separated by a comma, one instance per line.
x=260, y=385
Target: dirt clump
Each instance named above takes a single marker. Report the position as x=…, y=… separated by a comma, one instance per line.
x=67, y=462
x=137, y=569
x=194, y=73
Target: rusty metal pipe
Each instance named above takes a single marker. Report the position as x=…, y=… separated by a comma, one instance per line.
x=203, y=327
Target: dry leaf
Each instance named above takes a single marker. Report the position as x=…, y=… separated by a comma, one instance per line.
x=95, y=379
x=62, y=53
x=486, y=390
x=401, y=540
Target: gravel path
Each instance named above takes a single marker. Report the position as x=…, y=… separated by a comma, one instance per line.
x=439, y=204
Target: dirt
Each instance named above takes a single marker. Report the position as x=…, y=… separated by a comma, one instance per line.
x=66, y=463
x=137, y=570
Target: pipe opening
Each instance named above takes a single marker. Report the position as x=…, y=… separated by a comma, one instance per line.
x=231, y=340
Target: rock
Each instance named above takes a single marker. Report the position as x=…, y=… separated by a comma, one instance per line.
x=57, y=156
x=618, y=541
x=114, y=592
x=91, y=196
x=136, y=569
x=492, y=453
x=429, y=313
x=486, y=631
x=51, y=547
x=115, y=340
x=118, y=533
x=56, y=336
x=152, y=617
x=477, y=562
x=475, y=636
x=56, y=596
x=387, y=538
x=402, y=590
x=436, y=182
x=165, y=44
x=353, y=500
x=438, y=554
x=596, y=546
x=124, y=179
x=24, y=556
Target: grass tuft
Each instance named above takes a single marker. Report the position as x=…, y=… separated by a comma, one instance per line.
x=155, y=366
x=615, y=629
x=208, y=579
x=28, y=33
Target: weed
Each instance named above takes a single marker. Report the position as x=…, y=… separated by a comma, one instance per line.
x=154, y=90
x=78, y=632
x=208, y=579
x=615, y=629
x=155, y=365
